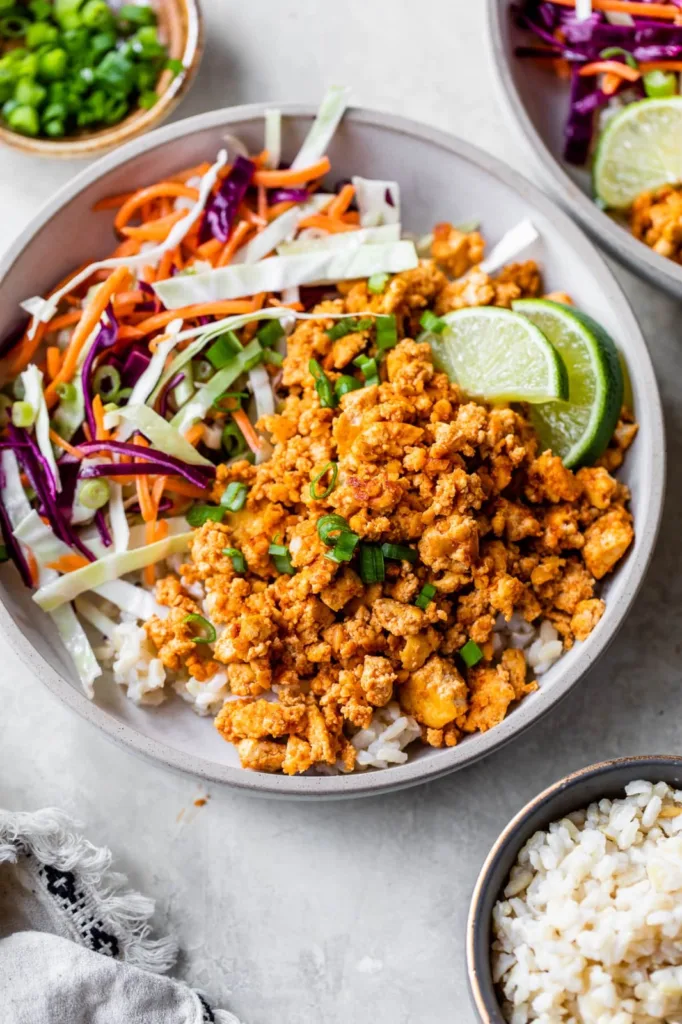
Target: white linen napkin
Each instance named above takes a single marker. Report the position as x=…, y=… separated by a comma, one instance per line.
x=76, y=946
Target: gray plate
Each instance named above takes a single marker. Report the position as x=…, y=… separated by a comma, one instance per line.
x=537, y=104
x=442, y=178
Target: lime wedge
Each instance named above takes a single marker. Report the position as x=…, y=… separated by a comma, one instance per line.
x=640, y=149
x=580, y=429
x=499, y=355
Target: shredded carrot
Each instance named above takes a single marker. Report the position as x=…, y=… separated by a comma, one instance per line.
x=562, y=68
x=667, y=12
x=86, y=325
x=209, y=250
x=234, y=242
x=192, y=172
x=54, y=359
x=65, y=320
x=282, y=179
x=340, y=204
x=65, y=446
x=250, y=436
x=165, y=263
x=611, y=67
x=195, y=434
x=262, y=203
x=98, y=412
x=158, y=487
x=610, y=84
x=154, y=230
x=144, y=497
x=130, y=247
x=149, y=571
x=32, y=567
x=319, y=220
x=144, y=195
x=68, y=563
x=352, y=217
x=225, y=308
x=660, y=65
x=279, y=208
x=251, y=216
x=112, y=202
x=187, y=490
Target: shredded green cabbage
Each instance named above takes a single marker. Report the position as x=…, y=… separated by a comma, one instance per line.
x=280, y=229
x=77, y=644
x=372, y=197
x=344, y=240
x=70, y=415
x=32, y=380
x=201, y=401
x=322, y=130
x=130, y=598
x=163, y=435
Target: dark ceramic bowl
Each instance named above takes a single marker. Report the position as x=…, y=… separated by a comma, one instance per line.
x=607, y=779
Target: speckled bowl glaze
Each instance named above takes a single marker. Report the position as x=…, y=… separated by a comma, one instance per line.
x=181, y=27
x=607, y=779
x=536, y=102
x=441, y=178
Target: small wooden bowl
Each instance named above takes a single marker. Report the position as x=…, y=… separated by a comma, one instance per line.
x=181, y=28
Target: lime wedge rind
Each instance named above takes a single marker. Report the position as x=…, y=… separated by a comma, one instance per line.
x=578, y=429
x=640, y=149
x=498, y=355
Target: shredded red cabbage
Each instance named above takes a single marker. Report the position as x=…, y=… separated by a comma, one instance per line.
x=136, y=363
x=288, y=195
x=222, y=209
x=164, y=506
x=154, y=305
x=140, y=469
x=194, y=474
x=163, y=400
x=107, y=336
x=103, y=529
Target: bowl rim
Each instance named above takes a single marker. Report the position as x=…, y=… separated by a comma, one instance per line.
x=134, y=123
x=441, y=762
x=619, y=243
x=510, y=836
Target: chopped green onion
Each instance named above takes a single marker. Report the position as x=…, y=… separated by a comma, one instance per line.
x=281, y=556
x=66, y=391
x=343, y=327
x=209, y=633
x=23, y=414
x=224, y=350
x=137, y=14
x=238, y=560
x=371, y=563
x=18, y=389
x=200, y=514
x=13, y=26
x=399, y=552
x=96, y=14
x=174, y=65
x=123, y=395
x=106, y=382
x=369, y=369
x=430, y=322
x=344, y=547
x=323, y=385
x=659, y=84
x=94, y=494
x=618, y=51
x=271, y=356
x=270, y=333
x=471, y=654
x=377, y=283
x=233, y=440
x=234, y=496
x=4, y=556
x=40, y=33
x=333, y=469
x=426, y=596
x=346, y=383
x=202, y=370
x=387, y=332
x=148, y=99
x=331, y=524
x=23, y=119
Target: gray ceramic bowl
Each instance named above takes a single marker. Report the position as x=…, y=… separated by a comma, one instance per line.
x=536, y=102
x=441, y=178
x=576, y=791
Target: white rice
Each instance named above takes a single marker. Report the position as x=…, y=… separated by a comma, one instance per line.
x=384, y=742
x=590, y=929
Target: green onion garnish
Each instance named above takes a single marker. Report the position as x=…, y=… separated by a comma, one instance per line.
x=323, y=385
x=377, y=283
x=343, y=327
x=369, y=370
x=223, y=350
x=430, y=322
x=333, y=469
x=425, y=596
x=94, y=494
x=271, y=356
x=174, y=65
x=233, y=440
x=66, y=391
x=618, y=51
x=282, y=558
x=4, y=556
x=209, y=633
x=23, y=414
x=106, y=382
x=270, y=333
x=387, y=332
x=659, y=84
x=234, y=496
x=200, y=514
x=137, y=15
x=238, y=560
x=202, y=370
x=331, y=524
x=399, y=552
x=344, y=547
x=371, y=563
x=346, y=383
x=471, y=654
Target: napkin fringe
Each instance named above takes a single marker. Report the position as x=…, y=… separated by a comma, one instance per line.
x=51, y=841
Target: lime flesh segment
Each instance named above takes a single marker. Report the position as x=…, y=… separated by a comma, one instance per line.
x=499, y=355
x=640, y=149
x=580, y=429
